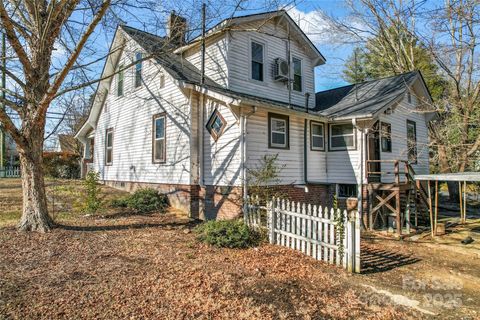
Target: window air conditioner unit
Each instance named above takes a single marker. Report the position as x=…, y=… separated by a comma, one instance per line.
x=281, y=70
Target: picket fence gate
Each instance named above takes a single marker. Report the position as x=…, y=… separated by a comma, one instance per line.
x=310, y=229
x=10, y=172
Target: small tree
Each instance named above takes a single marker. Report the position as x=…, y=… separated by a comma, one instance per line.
x=92, y=192
x=263, y=178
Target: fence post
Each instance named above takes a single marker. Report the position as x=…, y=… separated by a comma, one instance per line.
x=272, y=219
x=356, y=258
x=245, y=209
x=350, y=250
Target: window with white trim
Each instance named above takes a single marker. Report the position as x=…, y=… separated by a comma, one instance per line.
x=138, y=69
x=120, y=81
x=159, y=145
x=317, y=138
x=342, y=136
x=257, y=54
x=297, y=74
x=412, y=141
x=386, y=136
x=109, y=146
x=278, y=128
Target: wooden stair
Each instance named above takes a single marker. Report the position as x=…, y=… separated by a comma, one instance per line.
x=403, y=199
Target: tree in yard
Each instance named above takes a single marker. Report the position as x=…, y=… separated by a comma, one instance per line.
x=442, y=41
x=32, y=29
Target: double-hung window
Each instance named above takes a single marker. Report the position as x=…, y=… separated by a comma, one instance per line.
x=386, y=136
x=297, y=74
x=412, y=141
x=138, y=69
x=317, y=139
x=158, y=143
x=109, y=147
x=120, y=81
x=257, y=56
x=278, y=128
x=342, y=136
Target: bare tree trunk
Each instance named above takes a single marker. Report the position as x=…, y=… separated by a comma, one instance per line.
x=35, y=210
x=444, y=166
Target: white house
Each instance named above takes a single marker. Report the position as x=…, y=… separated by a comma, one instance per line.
x=155, y=122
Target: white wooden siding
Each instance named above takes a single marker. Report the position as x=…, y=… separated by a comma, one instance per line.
x=215, y=59
x=239, y=64
x=222, y=158
x=398, y=120
x=130, y=117
x=344, y=166
x=291, y=160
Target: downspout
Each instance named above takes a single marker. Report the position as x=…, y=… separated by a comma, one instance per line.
x=243, y=152
x=305, y=142
x=201, y=101
x=360, y=186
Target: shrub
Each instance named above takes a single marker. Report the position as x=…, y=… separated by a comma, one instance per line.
x=147, y=200
x=92, y=192
x=119, y=203
x=61, y=165
x=228, y=234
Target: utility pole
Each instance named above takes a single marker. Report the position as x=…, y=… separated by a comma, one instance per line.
x=4, y=84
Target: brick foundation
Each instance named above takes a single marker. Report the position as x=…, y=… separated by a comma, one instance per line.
x=223, y=202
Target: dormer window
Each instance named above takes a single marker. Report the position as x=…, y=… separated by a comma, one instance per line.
x=297, y=74
x=257, y=60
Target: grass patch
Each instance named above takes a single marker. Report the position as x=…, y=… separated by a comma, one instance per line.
x=64, y=200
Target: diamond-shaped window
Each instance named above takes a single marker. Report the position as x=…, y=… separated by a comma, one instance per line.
x=216, y=124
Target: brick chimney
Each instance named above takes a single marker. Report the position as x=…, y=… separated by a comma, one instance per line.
x=176, y=29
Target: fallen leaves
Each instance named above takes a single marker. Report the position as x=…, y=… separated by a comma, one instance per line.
x=149, y=267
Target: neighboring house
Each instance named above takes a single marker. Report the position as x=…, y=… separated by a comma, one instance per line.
x=154, y=123
x=67, y=144
x=8, y=151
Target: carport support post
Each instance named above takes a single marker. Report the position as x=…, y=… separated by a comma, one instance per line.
x=464, y=201
x=436, y=205
x=461, y=200
x=430, y=207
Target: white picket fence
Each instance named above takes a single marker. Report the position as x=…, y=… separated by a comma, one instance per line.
x=310, y=229
x=10, y=172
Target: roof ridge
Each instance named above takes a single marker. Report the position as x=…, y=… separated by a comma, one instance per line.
x=139, y=30
x=368, y=81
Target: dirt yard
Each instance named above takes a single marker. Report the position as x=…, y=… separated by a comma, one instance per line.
x=115, y=266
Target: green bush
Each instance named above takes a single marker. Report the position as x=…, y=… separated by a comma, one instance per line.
x=147, y=200
x=119, y=203
x=228, y=234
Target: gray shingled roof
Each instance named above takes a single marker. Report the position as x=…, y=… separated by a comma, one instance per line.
x=358, y=100
x=363, y=99
x=181, y=69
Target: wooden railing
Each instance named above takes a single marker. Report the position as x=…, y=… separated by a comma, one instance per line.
x=395, y=165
